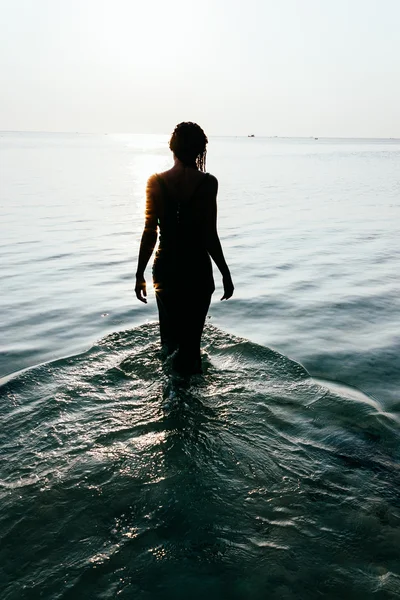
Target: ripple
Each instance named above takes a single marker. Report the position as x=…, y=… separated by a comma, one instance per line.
x=115, y=466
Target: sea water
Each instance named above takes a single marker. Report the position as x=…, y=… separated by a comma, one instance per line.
x=275, y=474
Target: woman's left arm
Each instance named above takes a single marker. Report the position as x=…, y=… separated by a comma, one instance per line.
x=148, y=241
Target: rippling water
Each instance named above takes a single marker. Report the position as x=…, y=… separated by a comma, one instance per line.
x=261, y=479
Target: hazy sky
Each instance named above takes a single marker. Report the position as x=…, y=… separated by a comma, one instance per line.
x=269, y=67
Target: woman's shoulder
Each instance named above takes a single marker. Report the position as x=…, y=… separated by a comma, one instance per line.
x=156, y=179
x=208, y=185
x=153, y=181
x=211, y=180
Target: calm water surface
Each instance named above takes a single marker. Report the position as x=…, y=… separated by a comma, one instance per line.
x=276, y=474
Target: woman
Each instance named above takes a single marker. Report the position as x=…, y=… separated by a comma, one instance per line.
x=182, y=203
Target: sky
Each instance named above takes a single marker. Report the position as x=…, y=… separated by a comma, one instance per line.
x=268, y=67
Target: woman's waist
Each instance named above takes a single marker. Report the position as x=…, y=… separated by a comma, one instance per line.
x=180, y=259
x=179, y=250
x=170, y=268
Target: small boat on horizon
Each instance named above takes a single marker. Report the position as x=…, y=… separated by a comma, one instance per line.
x=251, y=135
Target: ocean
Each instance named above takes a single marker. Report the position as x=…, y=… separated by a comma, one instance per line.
x=275, y=474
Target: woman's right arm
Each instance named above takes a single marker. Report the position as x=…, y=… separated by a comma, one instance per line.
x=213, y=243
x=148, y=241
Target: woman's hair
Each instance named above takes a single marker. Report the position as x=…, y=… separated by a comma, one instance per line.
x=189, y=143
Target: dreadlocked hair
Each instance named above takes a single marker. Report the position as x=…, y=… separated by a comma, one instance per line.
x=189, y=143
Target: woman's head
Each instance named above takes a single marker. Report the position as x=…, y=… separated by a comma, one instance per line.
x=189, y=144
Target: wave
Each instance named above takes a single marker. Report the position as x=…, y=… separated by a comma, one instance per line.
x=252, y=481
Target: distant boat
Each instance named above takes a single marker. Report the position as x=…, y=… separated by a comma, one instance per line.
x=251, y=135
x=315, y=138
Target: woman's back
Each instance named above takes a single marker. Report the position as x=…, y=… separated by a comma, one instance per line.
x=181, y=204
x=182, y=210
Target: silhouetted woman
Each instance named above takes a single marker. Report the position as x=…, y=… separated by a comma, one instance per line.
x=182, y=204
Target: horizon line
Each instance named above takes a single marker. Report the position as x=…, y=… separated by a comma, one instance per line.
x=269, y=136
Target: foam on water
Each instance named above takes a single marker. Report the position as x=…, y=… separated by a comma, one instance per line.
x=251, y=481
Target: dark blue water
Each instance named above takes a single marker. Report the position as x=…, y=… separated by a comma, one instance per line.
x=260, y=479
x=252, y=481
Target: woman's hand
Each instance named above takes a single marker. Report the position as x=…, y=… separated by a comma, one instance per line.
x=140, y=289
x=228, y=287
